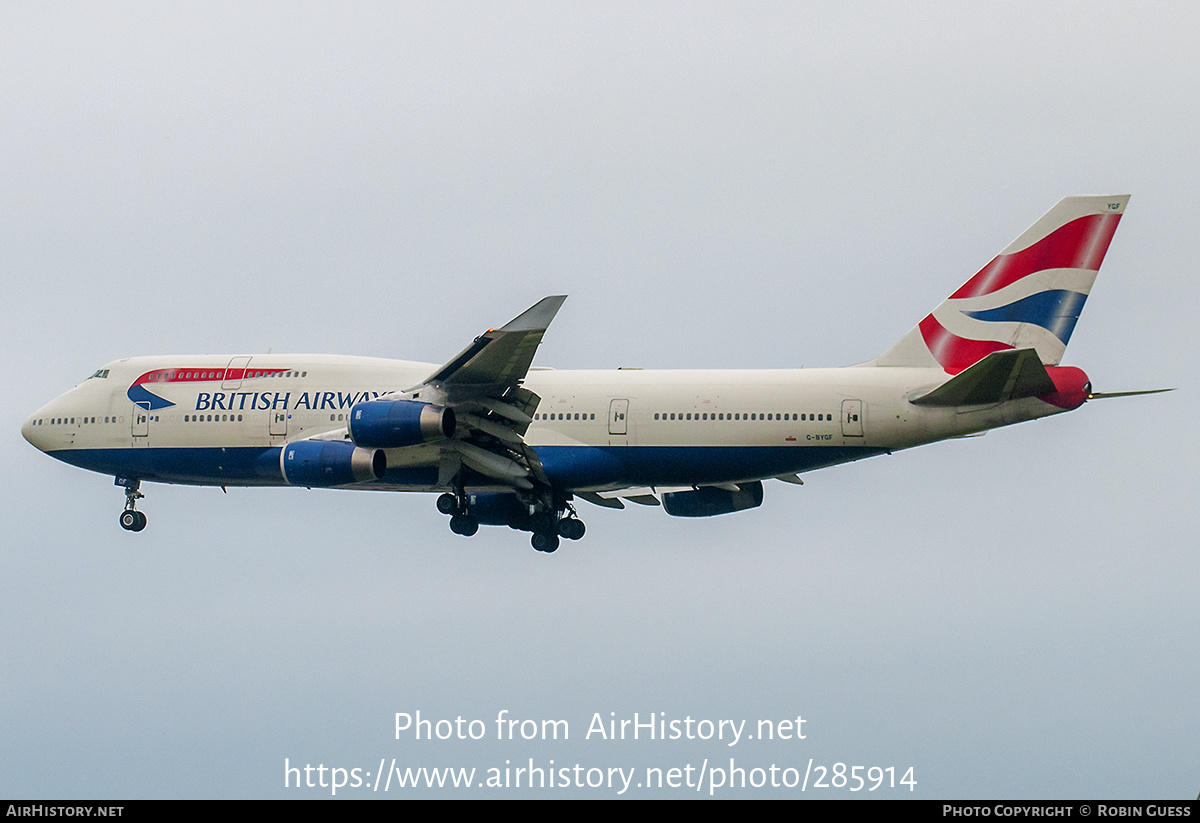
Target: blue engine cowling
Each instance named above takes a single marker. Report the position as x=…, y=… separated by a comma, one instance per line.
x=707, y=501
x=322, y=463
x=392, y=424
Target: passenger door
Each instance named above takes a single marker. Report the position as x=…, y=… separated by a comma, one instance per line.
x=852, y=418
x=139, y=423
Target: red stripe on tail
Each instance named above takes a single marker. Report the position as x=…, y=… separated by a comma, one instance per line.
x=955, y=353
x=1080, y=244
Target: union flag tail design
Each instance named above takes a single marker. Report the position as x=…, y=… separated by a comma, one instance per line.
x=1029, y=297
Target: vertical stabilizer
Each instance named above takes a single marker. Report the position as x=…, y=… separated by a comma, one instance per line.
x=1028, y=297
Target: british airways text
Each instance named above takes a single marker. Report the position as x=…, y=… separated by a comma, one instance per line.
x=315, y=401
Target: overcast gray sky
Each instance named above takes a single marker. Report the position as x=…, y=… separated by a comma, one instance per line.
x=714, y=185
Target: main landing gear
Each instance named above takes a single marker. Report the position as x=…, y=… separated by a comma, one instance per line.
x=547, y=529
x=548, y=525
x=132, y=520
x=460, y=521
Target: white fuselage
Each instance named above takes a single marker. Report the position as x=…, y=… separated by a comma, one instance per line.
x=188, y=422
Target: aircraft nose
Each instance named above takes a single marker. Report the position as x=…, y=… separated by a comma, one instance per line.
x=27, y=431
x=32, y=432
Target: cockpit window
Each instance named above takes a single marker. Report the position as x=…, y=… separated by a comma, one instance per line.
x=100, y=373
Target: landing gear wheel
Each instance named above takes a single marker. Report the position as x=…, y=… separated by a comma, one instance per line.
x=544, y=542
x=447, y=503
x=571, y=528
x=464, y=524
x=132, y=521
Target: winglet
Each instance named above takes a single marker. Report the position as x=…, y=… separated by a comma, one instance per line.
x=538, y=316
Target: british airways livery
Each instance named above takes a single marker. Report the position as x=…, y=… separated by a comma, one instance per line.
x=507, y=443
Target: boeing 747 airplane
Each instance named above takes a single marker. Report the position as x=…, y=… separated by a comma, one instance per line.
x=506, y=443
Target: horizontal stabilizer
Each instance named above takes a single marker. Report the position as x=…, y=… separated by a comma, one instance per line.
x=1001, y=376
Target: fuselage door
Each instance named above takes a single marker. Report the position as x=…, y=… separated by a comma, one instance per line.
x=852, y=418
x=618, y=410
x=279, y=420
x=139, y=421
x=234, y=373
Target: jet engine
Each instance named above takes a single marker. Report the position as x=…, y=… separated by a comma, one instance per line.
x=392, y=424
x=707, y=501
x=322, y=463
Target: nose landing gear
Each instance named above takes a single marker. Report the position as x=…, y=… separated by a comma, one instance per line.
x=132, y=520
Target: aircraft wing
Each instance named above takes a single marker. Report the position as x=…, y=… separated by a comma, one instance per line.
x=498, y=359
x=482, y=384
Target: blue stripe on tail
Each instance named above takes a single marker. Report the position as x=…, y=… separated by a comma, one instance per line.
x=1056, y=311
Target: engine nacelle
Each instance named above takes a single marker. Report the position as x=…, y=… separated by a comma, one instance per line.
x=707, y=501
x=392, y=424
x=324, y=463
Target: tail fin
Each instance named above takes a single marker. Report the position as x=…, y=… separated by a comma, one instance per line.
x=1028, y=297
